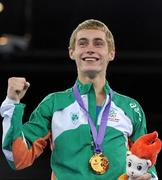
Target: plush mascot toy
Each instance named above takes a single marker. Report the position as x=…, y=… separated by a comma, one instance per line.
x=142, y=156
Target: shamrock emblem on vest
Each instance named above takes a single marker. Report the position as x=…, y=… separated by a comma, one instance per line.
x=74, y=118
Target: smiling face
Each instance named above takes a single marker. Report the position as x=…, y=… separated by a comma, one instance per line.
x=91, y=53
x=136, y=166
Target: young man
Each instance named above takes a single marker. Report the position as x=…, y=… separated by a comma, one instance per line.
x=89, y=124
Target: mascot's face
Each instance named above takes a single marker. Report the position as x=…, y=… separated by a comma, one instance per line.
x=136, y=166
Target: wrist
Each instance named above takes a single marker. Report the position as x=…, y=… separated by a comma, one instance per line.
x=12, y=101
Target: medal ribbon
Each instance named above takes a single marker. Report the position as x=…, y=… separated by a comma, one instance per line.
x=97, y=138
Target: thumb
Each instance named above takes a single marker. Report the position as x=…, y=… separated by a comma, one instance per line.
x=26, y=86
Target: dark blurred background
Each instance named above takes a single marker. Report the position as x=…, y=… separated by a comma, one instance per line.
x=34, y=38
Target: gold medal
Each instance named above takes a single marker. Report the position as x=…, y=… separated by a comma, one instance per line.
x=99, y=163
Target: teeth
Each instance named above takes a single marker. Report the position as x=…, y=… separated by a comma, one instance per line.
x=90, y=59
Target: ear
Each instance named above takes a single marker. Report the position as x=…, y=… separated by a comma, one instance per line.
x=71, y=54
x=129, y=153
x=149, y=163
x=112, y=55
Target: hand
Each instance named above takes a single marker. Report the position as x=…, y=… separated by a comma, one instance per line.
x=17, y=88
x=144, y=177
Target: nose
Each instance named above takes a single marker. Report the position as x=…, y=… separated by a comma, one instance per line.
x=90, y=49
x=90, y=52
x=132, y=172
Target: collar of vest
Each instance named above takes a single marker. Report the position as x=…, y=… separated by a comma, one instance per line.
x=85, y=88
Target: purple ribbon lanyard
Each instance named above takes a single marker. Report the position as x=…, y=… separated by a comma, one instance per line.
x=97, y=138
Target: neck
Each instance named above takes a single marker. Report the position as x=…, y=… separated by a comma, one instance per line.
x=98, y=84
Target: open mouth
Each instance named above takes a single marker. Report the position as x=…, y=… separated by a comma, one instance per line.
x=90, y=59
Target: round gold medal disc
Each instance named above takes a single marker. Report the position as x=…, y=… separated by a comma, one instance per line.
x=99, y=163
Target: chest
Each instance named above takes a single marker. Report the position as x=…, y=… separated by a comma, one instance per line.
x=73, y=116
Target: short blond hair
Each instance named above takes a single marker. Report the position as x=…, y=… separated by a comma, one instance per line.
x=93, y=24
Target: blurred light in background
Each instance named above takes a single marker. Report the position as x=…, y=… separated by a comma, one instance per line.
x=15, y=26
x=1, y=7
x=12, y=43
x=3, y=40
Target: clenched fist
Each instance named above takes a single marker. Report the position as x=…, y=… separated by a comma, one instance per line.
x=17, y=87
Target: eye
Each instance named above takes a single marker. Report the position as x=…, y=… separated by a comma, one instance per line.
x=139, y=167
x=129, y=164
x=82, y=42
x=99, y=43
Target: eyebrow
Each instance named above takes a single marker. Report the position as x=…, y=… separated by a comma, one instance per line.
x=95, y=39
x=98, y=39
x=82, y=39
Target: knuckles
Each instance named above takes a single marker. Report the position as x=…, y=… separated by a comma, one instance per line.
x=16, y=83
